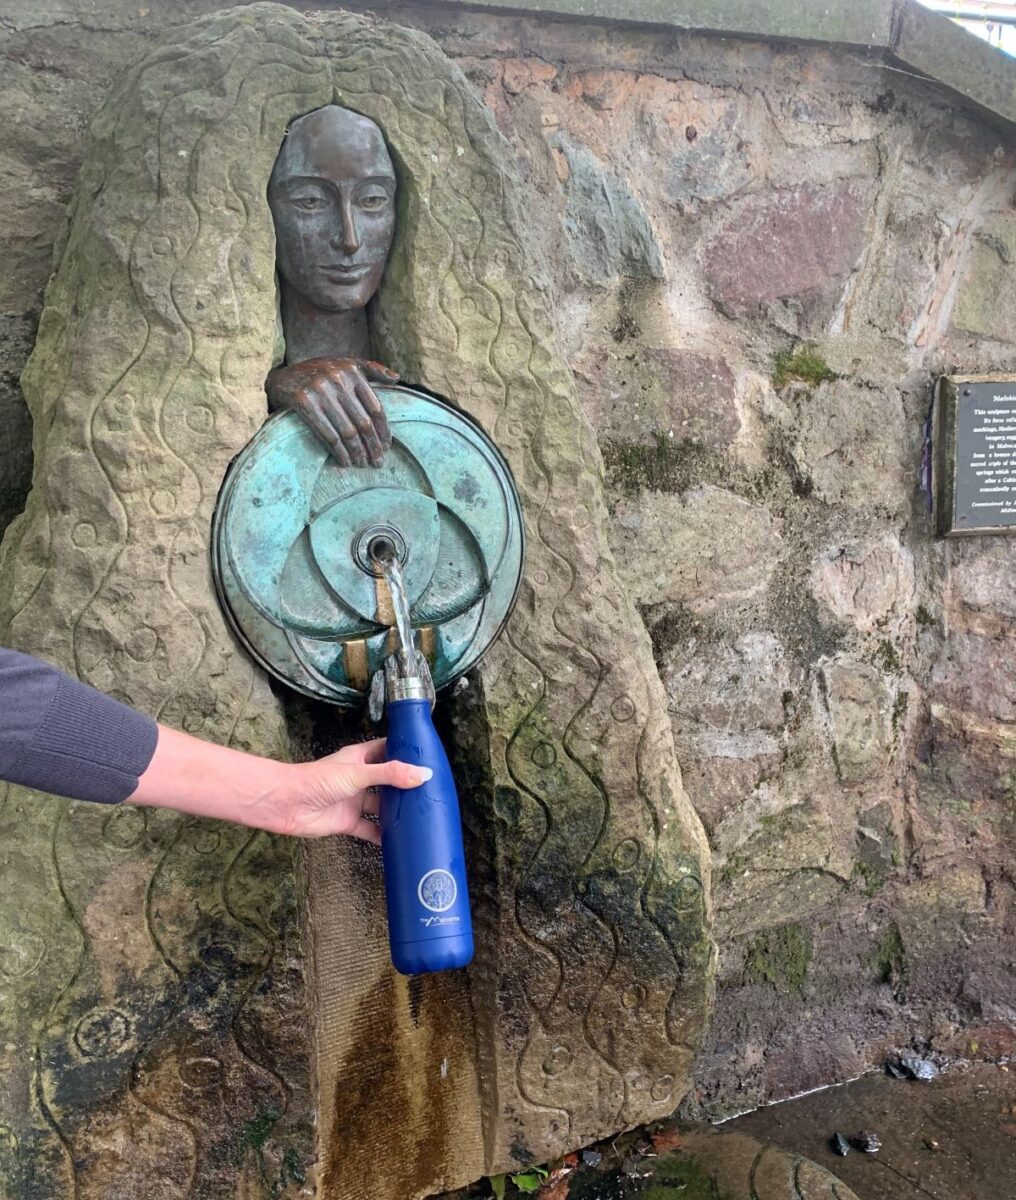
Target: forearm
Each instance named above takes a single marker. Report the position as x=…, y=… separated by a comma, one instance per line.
x=336, y=794
x=208, y=780
x=60, y=735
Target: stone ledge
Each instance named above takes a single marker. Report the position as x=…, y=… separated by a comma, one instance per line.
x=902, y=31
x=852, y=22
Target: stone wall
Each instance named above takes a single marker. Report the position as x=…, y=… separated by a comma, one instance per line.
x=764, y=256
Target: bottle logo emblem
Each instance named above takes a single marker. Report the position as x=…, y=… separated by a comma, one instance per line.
x=437, y=891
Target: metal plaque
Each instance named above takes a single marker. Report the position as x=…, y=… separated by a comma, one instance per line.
x=974, y=459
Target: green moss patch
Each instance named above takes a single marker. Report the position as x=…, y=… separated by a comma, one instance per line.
x=674, y=1176
x=924, y=616
x=678, y=1177
x=779, y=957
x=870, y=876
x=889, y=958
x=803, y=365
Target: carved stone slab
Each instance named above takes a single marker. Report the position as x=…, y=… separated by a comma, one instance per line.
x=152, y=984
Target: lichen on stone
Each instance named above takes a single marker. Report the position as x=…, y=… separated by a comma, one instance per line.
x=665, y=464
x=779, y=956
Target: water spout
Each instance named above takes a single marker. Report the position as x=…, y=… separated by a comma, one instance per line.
x=382, y=551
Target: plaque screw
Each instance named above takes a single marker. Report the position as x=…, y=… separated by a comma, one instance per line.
x=966, y=391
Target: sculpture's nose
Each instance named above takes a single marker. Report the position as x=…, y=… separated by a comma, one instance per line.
x=346, y=235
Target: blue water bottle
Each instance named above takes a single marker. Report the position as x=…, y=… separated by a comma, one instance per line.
x=426, y=893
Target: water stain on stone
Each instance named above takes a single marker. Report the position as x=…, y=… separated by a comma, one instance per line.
x=415, y=999
x=358, y=1145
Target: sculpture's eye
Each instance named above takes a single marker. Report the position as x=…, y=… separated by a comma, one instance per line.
x=309, y=204
x=374, y=201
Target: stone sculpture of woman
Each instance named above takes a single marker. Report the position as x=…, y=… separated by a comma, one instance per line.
x=155, y=1035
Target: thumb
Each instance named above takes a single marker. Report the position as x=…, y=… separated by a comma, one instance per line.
x=392, y=774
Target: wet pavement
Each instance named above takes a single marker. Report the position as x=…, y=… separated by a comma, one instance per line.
x=950, y=1138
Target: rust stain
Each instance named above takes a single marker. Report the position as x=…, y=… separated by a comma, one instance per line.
x=385, y=608
x=357, y=668
x=401, y=1068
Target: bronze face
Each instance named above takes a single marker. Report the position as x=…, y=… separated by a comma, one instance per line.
x=332, y=196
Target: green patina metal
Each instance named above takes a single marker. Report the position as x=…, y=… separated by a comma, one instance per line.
x=292, y=541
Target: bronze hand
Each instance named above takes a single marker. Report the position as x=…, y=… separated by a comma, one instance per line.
x=334, y=397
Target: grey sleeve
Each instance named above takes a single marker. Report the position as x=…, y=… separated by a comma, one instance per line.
x=61, y=736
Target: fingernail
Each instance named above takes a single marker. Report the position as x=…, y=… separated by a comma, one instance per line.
x=422, y=775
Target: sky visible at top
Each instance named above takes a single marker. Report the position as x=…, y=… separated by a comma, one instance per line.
x=994, y=21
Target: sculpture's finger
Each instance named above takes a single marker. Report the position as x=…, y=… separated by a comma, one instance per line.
x=315, y=416
x=374, y=409
x=336, y=408
x=365, y=426
x=386, y=374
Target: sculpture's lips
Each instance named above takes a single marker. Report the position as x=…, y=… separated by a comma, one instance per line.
x=344, y=274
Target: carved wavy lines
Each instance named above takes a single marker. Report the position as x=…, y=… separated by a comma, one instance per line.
x=250, y=968
x=254, y=972
x=590, y=850
x=38, y=627
x=136, y=1073
x=198, y=1070
x=560, y=619
x=47, y=1115
x=531, y=935
x=565, y=738
x=37, y=1069
x=37, y=1052
x=543, y=945
x=90, y=423
x=40, y=497
x=653, y=823
x=564, y=947
x=116, y=996
x=647, y=883
x=596, y=847
x=496, y=216
x=143, y=299
x=149, y=310
x=33, y=613
x=271, y=944
x=269, y=938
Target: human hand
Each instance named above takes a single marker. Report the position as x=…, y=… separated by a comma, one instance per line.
x=312, y=799
x=336, y=794
x=334, y=397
